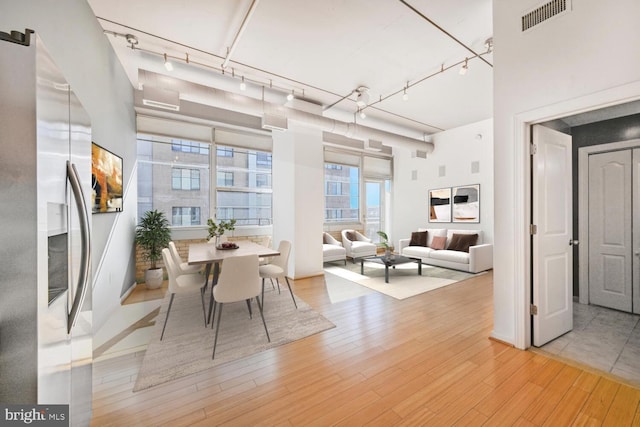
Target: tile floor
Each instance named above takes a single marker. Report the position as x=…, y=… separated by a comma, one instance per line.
x=605, y=339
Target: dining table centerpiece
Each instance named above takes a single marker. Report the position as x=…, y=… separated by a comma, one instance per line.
x=217, y=229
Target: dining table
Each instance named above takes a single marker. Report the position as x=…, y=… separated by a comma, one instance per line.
x=208, y=254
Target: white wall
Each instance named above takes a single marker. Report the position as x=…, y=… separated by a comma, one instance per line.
x=574, y=62
x=455, y=149
x=77, y=44
x=298, y=197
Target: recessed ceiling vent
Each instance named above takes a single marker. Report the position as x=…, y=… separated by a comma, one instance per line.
x=544, y=12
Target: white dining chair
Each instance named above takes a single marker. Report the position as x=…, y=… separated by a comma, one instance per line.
x=278, y=267
x=184, y=267
x=181, y=284
x=238, y=281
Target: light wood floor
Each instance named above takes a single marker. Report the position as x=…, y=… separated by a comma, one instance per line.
x=426, y=360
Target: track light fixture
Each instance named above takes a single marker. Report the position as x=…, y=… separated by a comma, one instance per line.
x=132, y=40
x=363, y=115
x=134, y=44
x=488, y=44
x=405, y=95
x=168, y=65
x=465, y=67
x=362, y=99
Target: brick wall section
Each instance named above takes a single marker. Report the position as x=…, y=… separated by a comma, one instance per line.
x=183, y=250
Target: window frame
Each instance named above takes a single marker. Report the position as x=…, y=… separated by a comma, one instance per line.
x=187, y=144
x=182, y=178
x=357, y=159
x=339, y=217
x=257, y=170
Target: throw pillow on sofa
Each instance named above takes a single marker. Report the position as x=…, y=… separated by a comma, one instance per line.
x=438, y=242
x=418, y=238
x=461, y=242
x=351, y=236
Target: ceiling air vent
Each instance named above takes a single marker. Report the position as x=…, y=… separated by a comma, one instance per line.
x=544, y=12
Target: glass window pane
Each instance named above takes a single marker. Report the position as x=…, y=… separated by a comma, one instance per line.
x=243, y=186
x=169, y=173
x=342, y=193
x=185, y=216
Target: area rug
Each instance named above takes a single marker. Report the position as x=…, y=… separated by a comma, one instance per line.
x=187, y=345
x=404, y=281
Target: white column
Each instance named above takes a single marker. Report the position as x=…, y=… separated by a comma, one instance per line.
x=298, y=197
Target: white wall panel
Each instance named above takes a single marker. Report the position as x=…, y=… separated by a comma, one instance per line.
x=565, y=65
x=456, y=150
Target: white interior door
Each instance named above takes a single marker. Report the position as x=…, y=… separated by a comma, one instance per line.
x=610, y=239
x=552, y=251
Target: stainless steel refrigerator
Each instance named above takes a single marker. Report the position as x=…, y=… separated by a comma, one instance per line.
x=45, y=278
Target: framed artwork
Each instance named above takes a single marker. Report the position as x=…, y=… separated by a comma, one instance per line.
x=440, y=205
x=106, y=180
x=466, y=203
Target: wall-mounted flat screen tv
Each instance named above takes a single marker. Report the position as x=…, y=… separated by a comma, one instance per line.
x=106, y=180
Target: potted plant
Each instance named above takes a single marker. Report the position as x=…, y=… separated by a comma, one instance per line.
x=217, y=230
x=153, y=235
x=384, y=242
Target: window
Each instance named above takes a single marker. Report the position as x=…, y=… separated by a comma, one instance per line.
x=243, y=189
x=225, y=179
x=342, y=193
x=185, y=216
x=189, y=147
x=263, y=180
x=347, y=187
x=166, y=168
x=176, y=177
x=185, y=179
x=263, y=160
x=224, y=152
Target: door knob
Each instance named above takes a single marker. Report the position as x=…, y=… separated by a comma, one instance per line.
x=574, y=242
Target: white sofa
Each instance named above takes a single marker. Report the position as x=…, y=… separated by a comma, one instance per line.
x=479, y=258
x=358, y=248
x=332, y=250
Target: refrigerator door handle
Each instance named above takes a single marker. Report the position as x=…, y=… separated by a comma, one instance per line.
x=85, y=262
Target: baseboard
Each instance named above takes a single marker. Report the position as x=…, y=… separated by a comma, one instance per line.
x=501, y=341
x=127, y=293
x=308, y=276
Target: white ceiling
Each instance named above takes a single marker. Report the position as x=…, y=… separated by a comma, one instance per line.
x=322, y=51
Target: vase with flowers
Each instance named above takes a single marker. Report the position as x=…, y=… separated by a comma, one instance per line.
x=217, y=229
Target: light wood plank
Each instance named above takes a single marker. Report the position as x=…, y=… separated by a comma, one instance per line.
x=599, y=402
x=426, y=360
x=623, y=408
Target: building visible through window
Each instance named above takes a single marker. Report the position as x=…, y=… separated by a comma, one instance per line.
x=175, y=176
x=342, y=193
x=185, y=216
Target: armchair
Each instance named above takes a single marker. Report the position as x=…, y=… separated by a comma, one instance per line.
x=359, y=247
x=332, y=250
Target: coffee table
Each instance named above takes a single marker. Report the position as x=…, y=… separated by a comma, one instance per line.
x=391, y=261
